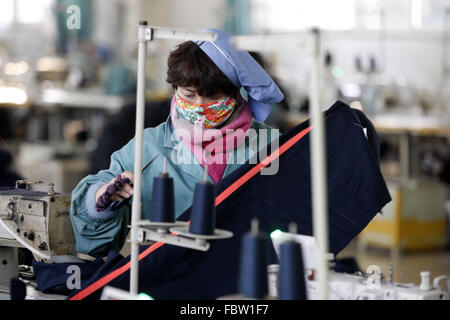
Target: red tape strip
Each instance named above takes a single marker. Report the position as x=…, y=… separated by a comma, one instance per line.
x=221, y=197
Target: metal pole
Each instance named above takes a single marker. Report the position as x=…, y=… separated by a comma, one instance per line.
x=140, y=112
x=146, y=34
x=318, y=172
x=180, y=34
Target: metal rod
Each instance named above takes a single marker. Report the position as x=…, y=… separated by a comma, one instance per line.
x=254, y=229
x=146, y=34
x=150, y=235
x=179, y=34
x=272, y=42
x=318, y=172
x=391, y=273
x=293, y=228
x=165, y=165
x=205, y=175
x=137, y=202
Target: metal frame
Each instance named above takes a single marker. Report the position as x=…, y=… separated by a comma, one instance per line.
x=306, y=43
x=309, y=42
x=146, y=34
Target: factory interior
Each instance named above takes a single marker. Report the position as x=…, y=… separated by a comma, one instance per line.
x=79, y=79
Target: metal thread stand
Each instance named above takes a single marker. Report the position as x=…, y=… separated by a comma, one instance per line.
x=145, y=35
x=318, y=148
x=319, y=169
x=309, y=43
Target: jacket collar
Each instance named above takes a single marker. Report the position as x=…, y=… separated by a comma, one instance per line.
x=170, y=140
x=180, y=154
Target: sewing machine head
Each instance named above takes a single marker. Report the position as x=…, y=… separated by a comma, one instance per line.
x=40, y=219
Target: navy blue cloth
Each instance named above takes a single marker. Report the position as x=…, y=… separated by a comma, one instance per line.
x=52, y=277
x=356, y=193
x=346, y=265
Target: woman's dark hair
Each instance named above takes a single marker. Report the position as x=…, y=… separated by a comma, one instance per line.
x=189, y=66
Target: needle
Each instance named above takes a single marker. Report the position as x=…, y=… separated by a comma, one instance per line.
x=126, y=180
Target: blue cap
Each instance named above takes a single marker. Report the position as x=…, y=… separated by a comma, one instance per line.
x=243, y=71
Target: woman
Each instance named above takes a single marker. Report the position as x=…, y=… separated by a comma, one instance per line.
x=209, y=124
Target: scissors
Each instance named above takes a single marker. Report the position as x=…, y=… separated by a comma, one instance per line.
x=119, y=204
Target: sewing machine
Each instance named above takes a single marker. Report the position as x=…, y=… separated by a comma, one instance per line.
x=36, y=220
x=372, y=285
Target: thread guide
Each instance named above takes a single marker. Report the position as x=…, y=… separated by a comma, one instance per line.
x=177, y=232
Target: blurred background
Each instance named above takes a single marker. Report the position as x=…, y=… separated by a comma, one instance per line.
x=67, y=95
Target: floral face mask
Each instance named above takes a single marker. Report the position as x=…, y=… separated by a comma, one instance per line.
x=210, y=115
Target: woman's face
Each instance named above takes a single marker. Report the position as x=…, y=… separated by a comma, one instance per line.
x=190, y=94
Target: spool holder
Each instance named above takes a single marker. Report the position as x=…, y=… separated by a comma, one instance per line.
x=179, y=235
x=176, y=234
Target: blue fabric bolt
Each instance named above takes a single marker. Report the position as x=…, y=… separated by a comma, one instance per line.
x=243, y=71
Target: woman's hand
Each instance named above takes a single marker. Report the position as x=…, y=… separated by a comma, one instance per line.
x=125, y=192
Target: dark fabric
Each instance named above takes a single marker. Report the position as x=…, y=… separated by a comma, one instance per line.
x=346, y=265
x=52, y=277
x=18, y=289
x=356, y=193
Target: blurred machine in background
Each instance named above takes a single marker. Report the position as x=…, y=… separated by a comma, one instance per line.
x=416, y=159
x=67, y=95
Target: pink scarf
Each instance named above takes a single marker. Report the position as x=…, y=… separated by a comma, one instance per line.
x=210, y=146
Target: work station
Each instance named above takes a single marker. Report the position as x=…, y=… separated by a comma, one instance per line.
x=231, y=150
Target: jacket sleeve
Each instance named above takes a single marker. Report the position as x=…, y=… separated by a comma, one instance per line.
x=96, y=233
